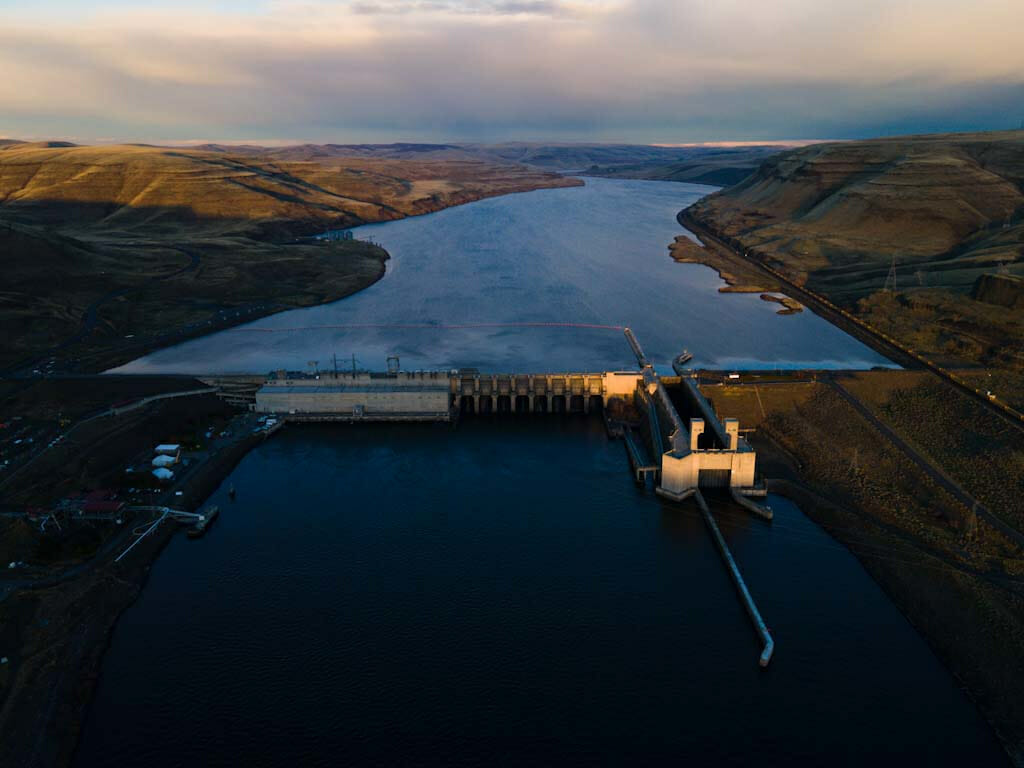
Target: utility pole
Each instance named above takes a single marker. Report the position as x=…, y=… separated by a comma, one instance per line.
x=890, y=280
x=335, y=358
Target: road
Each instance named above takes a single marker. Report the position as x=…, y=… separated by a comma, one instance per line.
x=857, y=327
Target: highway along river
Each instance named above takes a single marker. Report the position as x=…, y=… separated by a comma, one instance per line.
x=593, y=255
x=500, y=592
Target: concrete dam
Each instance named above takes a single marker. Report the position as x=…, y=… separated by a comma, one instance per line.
x=672, y=434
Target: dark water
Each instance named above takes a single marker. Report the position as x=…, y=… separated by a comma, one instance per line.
x=588, y=255
x=501, y=593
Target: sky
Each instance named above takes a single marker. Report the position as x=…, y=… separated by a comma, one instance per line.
x=642, y=71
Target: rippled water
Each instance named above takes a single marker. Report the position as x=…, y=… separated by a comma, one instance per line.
x=588, y=255
x=502, y=594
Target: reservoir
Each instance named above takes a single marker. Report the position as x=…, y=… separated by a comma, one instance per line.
x=501, y=593
x=592, y=255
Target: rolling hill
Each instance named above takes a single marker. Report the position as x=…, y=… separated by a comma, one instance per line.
x=902, y=231
x=288, y=191
x=109, y=252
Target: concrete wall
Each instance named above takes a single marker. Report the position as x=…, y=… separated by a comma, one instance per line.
x=359, y=396
x=679, y=473
x=328, y=400
x=620, y=383
x=731, y=462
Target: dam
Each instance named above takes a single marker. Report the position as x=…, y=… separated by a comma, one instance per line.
x=505, y=583
x=671, y=430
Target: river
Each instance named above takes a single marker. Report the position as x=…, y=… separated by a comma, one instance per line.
x=500, y=592
x=593, y=255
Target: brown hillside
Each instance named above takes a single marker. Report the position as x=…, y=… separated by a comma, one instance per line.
x=153, y=190
x=946, y=209
x=940, y=204
x=110, y=252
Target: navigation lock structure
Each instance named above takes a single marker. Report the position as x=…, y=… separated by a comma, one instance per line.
x=672, y=434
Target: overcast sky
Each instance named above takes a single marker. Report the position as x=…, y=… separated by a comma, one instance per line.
x=492, y=70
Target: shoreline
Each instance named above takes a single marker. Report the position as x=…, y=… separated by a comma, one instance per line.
x=108, y=356
x=98, y=596
x=860, y=329
x=132, y=579
x=837, y=520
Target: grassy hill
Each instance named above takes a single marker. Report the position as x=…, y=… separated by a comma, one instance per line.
x=289, y=191
x=109, y=252
x=718, y=166
x=946, y=209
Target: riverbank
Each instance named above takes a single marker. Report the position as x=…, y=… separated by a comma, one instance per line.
x=904, y=235
x=737, y=274
x=958, y=579
x=56, y=619
x=155, y=246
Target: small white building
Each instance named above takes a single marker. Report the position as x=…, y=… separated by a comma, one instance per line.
x=163, y=474
x=163, y=460
x=363, y=396
x=168, y=449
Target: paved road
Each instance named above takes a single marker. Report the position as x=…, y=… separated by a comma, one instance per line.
x=857, y=327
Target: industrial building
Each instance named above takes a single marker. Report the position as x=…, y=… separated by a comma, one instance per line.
x=399, y=396
x=702, y=451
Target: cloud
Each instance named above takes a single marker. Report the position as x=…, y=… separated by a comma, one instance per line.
x=644, y=70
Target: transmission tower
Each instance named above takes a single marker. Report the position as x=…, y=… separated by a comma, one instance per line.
x=890, y=280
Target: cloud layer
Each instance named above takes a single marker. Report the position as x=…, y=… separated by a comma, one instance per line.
x=638, y=70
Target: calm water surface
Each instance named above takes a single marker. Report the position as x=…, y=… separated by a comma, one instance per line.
x=502, y=594
x=590, y=255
